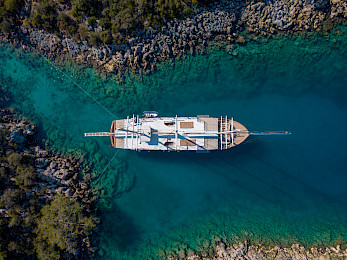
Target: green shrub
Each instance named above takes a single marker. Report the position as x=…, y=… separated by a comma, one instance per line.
x=62, y=222
x=44, y=251
x=2, y=174
x=44, y=16
x=16, y=160
x=26, y=177
x=85, y=7
x=3, y=255
x=106, y=37
x=3, y=177
x=94, y=39
x=12, y=5
x=82, y=32
x=10, y=198
x=5, y=26
x=65, y=23
x=92, y=20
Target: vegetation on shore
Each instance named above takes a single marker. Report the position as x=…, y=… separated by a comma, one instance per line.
x=33, y=224
x=99, y=21
x=9, y=14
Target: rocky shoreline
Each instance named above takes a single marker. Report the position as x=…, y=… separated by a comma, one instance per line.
x=57, y=174
x=48, y=175
x=245, y=250
x=224, y=21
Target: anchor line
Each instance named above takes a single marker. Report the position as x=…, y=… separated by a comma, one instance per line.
x=74, y=82
x=102, y=173
x=256, y=138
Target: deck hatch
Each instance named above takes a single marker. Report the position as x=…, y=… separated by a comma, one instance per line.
x=186, y=142
x=186, y=124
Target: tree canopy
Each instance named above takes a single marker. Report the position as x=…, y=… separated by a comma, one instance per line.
x=108, y=21
x=62, y=223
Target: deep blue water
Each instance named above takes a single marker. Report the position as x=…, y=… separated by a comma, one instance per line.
x=278, y=189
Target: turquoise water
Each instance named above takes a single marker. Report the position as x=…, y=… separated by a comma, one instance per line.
x=279, y=189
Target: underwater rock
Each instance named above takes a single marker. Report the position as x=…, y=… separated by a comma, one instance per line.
x=240, y=40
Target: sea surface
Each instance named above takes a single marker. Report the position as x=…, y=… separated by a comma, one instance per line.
x=273, y=190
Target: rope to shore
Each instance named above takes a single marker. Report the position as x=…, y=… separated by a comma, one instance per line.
x=74, y=82
x=102, y=173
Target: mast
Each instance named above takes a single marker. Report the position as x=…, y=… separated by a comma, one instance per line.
x=220, y=133
x=225, y=129
x=132, y=134
x=137, y=132
x=176, y=135
x=126, y=133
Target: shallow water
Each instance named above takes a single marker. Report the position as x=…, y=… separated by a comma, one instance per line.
x=275, y=189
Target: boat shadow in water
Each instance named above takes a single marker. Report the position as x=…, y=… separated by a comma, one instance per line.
x=246, y=167
x=228, y=165
x=173, y=156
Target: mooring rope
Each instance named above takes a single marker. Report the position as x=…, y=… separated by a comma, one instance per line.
x=102, y=173
x=86, y=92
x=74, y=82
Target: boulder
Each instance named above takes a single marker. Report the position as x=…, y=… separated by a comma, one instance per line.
x=53, y=165
x=69, y=192
x=17, y=135
x=40, y=152
x=63, y=174
x=47, y=175
x=41, y=163
x=240, y=39
x=319, y=4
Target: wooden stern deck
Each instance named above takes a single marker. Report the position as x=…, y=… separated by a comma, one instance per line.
x=117, y=142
